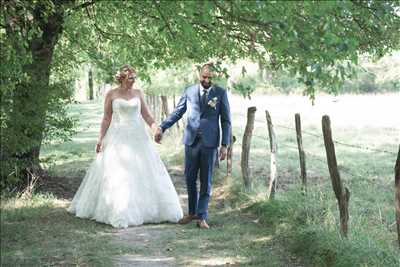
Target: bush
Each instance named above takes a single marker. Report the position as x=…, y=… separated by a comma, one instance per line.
x=245, y=86
x=364, y=82
x=284, y=82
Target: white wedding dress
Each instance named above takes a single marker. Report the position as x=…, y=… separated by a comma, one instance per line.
x=127, y=184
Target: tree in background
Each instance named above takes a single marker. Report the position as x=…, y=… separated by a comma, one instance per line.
x=42, y=42
x=90, y=84
x=370, y=76
x=35, y=86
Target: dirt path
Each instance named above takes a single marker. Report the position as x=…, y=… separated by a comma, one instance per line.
x=235, y=239
x=152, y=243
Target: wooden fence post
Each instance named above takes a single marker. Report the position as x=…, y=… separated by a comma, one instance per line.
x=274, y=148
x=397, y=194
x=302, y=156
x=341, y=192
x=244, y=162
x=229, y=156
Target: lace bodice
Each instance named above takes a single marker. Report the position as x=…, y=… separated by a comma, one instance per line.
x=126, y=112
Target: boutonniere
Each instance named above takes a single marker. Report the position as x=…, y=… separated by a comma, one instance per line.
x=213, y=102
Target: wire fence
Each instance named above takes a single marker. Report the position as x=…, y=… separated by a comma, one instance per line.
x=319, y=158
x=366, y=148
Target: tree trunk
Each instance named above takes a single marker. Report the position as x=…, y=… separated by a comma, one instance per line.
x=164, y=107
x=157, y=108
x=152, y=106
x=90, y=83
x=31, y=97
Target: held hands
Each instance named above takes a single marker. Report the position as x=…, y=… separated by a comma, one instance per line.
x=222, y=153
x=158, y=135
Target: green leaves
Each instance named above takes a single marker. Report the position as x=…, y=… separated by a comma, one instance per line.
x=47, y=40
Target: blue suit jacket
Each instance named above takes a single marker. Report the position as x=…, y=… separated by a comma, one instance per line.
x=206, y=120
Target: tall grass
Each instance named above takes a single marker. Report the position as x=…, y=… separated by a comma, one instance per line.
x=309, y=224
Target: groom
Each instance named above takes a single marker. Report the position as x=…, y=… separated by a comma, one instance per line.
x=207, y=105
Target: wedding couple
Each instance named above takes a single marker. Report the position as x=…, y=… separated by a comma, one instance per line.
x=128, y=184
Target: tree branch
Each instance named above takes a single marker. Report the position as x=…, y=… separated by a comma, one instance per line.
x=84, y=5
x=243, y=19
x=103, y=33
x=98, y=29
x=164, y=19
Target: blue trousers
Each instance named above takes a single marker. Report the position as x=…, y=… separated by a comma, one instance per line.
x=199, y=158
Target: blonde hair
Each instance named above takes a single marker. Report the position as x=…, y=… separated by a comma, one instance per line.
x=120, y=75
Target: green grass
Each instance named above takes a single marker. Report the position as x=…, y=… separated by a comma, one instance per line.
x=39, y=232
x=232, y=240
x=309, y=225
x=247, y=230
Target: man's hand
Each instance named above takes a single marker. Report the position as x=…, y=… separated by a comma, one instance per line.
x=222, y=153
x=158, y=135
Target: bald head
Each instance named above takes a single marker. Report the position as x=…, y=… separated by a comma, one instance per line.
x=206, y=75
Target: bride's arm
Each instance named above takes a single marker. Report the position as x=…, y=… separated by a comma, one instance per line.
x=146, y=113
x=105, y=122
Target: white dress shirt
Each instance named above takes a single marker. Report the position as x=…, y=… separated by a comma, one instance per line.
x=202, y=90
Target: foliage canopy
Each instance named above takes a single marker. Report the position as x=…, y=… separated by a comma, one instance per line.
x=43, y=41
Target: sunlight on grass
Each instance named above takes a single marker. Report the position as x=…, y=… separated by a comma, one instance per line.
x=218, y=261
x=63, y=239
x=368, y=174
x=263, y=239
x=247, y=229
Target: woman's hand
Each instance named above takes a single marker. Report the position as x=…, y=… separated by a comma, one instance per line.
x=99, y=145
x=154, y=127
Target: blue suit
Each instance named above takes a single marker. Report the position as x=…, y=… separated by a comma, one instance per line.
x=201, y=138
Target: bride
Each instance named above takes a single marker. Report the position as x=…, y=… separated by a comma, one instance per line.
x=127, y=184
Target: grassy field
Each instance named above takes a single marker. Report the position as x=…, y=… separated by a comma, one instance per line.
x=308, y=225
x=247, y=229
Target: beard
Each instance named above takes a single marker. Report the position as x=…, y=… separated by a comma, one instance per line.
x=205, y=84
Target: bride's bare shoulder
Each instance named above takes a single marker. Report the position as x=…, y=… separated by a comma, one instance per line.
x=111, y=93
x=138, y=92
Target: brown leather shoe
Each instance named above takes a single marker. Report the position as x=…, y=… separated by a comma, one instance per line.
x=202, y=224
x=188, y=218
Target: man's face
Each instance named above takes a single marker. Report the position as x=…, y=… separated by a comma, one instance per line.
x=206, y=76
